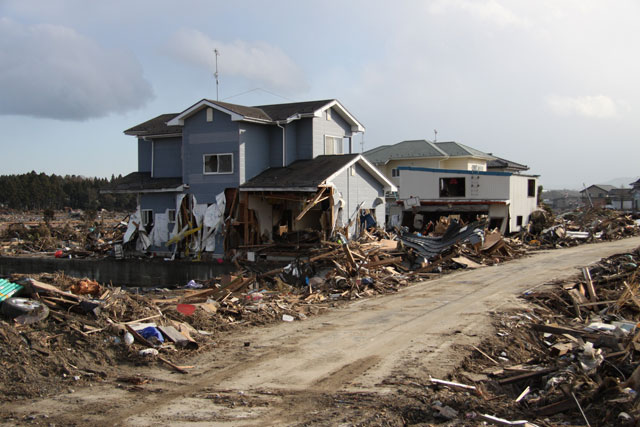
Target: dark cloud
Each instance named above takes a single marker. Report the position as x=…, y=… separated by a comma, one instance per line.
x=51, y=71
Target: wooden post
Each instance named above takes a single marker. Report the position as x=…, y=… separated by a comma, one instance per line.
x=246, y=218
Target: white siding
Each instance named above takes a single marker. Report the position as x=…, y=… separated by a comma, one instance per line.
x=521, y=203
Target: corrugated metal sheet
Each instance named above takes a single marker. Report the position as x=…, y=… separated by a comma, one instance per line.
x=8, y=289
x=430, y=247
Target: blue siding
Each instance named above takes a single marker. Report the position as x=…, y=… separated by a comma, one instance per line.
x=158, y=202
x=304, y=139
x=254, y=143
x=337, y=126
x=167, y=157
x=144, y=155
x=275, y=146
x=201, y=137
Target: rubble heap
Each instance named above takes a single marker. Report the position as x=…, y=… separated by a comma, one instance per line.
x=573, y=358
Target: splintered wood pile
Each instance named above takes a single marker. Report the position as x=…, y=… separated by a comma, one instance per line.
x=572, y=359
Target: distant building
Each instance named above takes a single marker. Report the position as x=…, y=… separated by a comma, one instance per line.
x=445, y=178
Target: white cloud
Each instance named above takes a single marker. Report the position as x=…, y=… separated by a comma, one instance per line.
x=258, y=61
x=51, y=71
x=599, y=106
x=487, y=10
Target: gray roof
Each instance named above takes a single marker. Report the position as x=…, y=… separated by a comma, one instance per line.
x=141, y=181
x=421, y=148
x=302, y=173
x=455, y=149
x=267, y=113
x=284, y=111
x=604, y=187
x=155, y=126
x=416, y=148
x=500, y=163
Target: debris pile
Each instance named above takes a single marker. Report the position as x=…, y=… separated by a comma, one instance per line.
x=572, y=359
x=573, y=228
x=76, y=235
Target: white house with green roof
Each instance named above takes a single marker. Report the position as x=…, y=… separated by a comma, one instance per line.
x=444, y=178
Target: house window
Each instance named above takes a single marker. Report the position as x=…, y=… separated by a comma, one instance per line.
x=395, y=172
x=452, y=187
x=531, y=190
x=519, y=220
x=218, y=163
x=332, y=145
x=171, y=214
x=209, y=114
x=147, y=217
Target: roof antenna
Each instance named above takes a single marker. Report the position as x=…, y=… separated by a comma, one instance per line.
x=216, y=53
x=435, y=135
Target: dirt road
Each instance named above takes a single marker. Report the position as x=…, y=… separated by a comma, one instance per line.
x=285, y=374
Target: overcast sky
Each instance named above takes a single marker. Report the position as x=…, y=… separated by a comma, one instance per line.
x=552, y=84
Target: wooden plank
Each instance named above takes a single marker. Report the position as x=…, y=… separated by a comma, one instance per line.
x=311, y=204
x=590, y=288
x=526, y=376
x=350, y=260
x=557, y=407
x=40, y=287
x=387, y=261
x=177, y=337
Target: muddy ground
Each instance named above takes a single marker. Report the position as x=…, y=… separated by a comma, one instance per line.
x=367, y=362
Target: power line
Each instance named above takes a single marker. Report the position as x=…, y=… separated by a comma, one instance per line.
x=256, y=89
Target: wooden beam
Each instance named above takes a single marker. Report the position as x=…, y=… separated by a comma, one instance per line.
x=311, y=204
x=590, y=288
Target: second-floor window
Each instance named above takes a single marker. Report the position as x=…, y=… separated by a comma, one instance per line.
x=452, y=187
x=332, y=145
x=531, y=188
x=395, y=172
x=218, y=163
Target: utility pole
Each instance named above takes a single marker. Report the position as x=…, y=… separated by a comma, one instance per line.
x=216, y=53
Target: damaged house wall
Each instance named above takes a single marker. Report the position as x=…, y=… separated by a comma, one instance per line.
x=239, y=143
x=355, y=187
x=506, y=194
x=220, y=136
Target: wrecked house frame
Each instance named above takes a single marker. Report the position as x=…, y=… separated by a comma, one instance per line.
x=220, y=176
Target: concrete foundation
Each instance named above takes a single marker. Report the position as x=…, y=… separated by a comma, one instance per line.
x=128, y=272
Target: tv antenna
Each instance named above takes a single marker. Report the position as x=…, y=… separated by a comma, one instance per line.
x=216, y=74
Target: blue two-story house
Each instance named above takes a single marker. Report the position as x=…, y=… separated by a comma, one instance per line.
x=219, y=175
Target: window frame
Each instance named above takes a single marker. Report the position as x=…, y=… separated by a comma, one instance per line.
x=395, y=172
x=340, y=140
x=204, y=164
x=531, y=184
x=146, y=222
x=455, y=196
x=171, y=212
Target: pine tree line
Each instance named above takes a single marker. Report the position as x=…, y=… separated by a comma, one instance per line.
x=37, y=191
